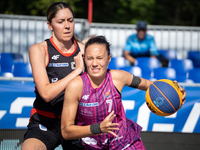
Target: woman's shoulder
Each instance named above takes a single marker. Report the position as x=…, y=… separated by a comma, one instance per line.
x=41, y=45
x=76, y=82
x=38, y=47
x=120, y=78
x=118, y=74
x=75, y=85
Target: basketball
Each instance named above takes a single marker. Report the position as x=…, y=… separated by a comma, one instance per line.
x=164, y=97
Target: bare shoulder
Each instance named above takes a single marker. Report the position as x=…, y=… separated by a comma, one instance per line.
x=118, y=74
x=74, y=88
x=75, y=83
x=38, y=46
x=121, y=78
x=81, y=46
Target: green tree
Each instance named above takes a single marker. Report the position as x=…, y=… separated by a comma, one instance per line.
x=157, y=12
x=26, y=7
x=118, y=11
x=178, y=12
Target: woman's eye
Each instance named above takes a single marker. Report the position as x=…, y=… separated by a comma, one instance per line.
x=71, y=20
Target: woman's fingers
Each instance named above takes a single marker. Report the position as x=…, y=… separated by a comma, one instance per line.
x=114, y=124
x=112, y=133
x=183, y=91
x=78, y=59
x=107, y=125
x=184, y=94
x=111, y=114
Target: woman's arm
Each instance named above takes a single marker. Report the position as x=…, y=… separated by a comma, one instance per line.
x=128, y=56
x=69, y=130
x=39, y=59
x=122, y=78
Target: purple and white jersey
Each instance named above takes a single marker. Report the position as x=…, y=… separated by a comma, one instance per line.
x=95, y=105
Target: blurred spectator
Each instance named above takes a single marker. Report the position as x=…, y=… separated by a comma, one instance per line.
x=141, y=44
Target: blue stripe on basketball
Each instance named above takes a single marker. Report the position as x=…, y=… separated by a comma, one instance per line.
x=160, y=101
x=170, y=93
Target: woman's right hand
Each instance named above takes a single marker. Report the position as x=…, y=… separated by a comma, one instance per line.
x=78, y=59
x=107, y=126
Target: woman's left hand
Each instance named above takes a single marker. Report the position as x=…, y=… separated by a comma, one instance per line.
x=107, y=126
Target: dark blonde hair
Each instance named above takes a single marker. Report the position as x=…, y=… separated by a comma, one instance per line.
x=54, y=8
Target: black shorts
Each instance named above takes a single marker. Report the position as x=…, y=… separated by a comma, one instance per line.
x=50, y=134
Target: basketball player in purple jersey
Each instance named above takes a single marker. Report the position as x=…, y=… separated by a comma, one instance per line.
x=93, y=102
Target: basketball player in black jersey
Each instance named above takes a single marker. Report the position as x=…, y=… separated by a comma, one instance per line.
x=54, y=63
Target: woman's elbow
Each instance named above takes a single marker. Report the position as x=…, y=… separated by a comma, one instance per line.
x=66, y=134
x=46, y=96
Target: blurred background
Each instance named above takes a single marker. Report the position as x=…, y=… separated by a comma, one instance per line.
x=155, y=12
x=175, y=26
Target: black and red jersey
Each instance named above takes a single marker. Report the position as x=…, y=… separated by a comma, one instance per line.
x=59, y=66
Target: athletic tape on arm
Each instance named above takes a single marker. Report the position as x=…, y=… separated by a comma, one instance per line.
x=135, y=82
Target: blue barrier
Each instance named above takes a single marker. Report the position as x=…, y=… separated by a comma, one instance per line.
x=17, y=97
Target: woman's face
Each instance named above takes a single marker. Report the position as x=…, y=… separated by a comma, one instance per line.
x=62, y=25
x=97, y=60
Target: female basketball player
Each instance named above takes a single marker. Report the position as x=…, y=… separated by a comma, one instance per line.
x=93, y=101
x=53, y=65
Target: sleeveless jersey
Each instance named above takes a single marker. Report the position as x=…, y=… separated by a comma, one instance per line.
x=95, y=105
x=59, y=66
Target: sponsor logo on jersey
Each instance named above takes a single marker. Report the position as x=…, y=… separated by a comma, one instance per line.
x=89, y=104
x=85, y=97
x=54, y=80
x=43, y=128
x=105, y=142
x=89, y=141
x=107, y=94
x=85, y=112
x=55, y=57
x=58, y=65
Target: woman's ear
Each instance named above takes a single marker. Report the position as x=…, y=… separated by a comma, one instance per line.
x=109, y=58
x=49, y=26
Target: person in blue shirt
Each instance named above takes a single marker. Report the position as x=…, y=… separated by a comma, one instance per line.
x=140, y=44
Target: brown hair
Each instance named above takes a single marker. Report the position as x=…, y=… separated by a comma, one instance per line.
x=98, y=40
x=54, y=8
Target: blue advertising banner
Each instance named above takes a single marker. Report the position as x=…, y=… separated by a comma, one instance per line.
x=17, y=97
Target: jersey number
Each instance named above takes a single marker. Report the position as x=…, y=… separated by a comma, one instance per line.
x=109, y=102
